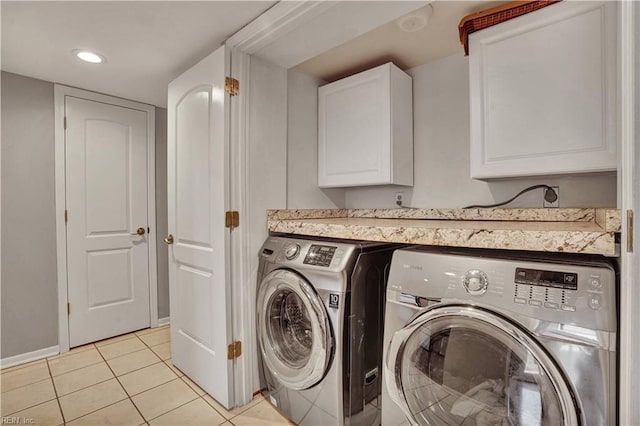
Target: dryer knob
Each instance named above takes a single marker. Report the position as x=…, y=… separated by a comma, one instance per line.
x=475, y=282
x=292, y=251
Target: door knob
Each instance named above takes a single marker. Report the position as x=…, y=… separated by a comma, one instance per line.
x=169, y=239
x=139, y=231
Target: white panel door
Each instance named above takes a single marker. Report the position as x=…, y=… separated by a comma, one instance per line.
x=106, y=189
x=198, y=162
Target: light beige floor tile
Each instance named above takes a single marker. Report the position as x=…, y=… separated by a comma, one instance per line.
x=197, y=389
x=235, y=411
x=157, y=337
x=90, y=399
x=122, y=347
x=262, y=413
x=119, y=338
x=163, y=350
x=194, y=413
x=82, y=378
x=21, y=366
x=163, y=398
x=66, y=363
x=151, y=330
x=146, y=378
x=24, y=376
x=47, y=414
x=122, y=413
x=174, y=368
x=27, y=396
x=133, y=361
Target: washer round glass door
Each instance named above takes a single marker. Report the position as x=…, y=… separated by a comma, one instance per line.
x=464, y=365
x=294, y=332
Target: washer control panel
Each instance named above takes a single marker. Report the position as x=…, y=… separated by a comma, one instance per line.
x=319, y=255
x=548, y=289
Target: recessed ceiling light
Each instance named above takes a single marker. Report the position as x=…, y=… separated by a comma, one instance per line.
x=88, y=56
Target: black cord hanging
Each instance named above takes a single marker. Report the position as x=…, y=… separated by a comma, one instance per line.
x=549, y=195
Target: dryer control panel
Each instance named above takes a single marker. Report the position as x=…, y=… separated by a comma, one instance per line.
x=319, y=255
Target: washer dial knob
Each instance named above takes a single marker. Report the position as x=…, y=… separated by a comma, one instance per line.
x=292, y=251
x=475, y=282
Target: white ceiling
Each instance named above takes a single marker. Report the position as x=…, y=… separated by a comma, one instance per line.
x=147, y=43
x=389, y=43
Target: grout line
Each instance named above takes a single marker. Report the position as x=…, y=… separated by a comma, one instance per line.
x=22, y=366
x=86, y=387
x=64, y=421
x=95, y=411
x=156, y=386
x=116, y=342
x=75, y=369
x=71, y=352
x=28, y=384
x=137, y=369
x=130, y=353
x=179, y=406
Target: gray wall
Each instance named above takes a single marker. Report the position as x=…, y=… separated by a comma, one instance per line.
x=302, y=140
x=29, y=293
x=161, y=212
x=441, y=155
x=29, y=274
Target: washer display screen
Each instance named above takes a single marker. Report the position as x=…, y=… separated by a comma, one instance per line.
x=555, y=279
x=319, y=255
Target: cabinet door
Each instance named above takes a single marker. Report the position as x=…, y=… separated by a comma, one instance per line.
x=354, y=130
x=543, y=92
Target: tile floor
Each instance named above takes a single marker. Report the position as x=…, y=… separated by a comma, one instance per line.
x=127, y=380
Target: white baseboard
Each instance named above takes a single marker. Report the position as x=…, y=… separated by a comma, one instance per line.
x=163, y=321
x=29, y=356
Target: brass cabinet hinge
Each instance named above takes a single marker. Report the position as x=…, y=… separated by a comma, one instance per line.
x=65, y=122
x=66, y=216
x=629, y=231
x=231, y=219
x=231, y=86
x=68, y=309
x=234, y=350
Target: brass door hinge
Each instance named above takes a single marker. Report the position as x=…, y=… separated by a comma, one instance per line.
x=231, y=86
x=234, y=350
x=66, y=216
x=629, y=231
x=68, y=309
x=65, y=122
x=231, y=219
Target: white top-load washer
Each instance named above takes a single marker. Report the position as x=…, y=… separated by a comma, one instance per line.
x=477, y=337
x=319, y=325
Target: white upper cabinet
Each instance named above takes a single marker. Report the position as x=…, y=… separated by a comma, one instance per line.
x=365, y=134
x=543, y=92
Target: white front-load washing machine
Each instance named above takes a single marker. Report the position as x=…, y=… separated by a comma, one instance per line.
x=320, y=307
x=487, y=337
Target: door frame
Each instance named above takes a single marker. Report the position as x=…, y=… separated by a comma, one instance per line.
x=629, y=200
x=60, y=92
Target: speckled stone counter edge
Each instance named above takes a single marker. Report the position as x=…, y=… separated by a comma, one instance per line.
x=608, y=219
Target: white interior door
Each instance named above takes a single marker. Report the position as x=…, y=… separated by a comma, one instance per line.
x=106, y=191
x=198, y=170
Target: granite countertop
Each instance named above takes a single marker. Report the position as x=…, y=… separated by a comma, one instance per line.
x=578, y=230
